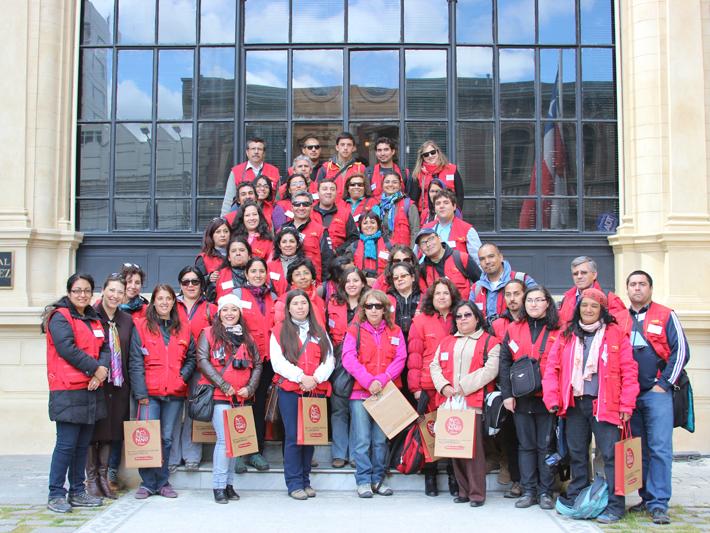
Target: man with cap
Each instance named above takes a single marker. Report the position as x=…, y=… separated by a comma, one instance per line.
x=439, y=261
x=454, y=231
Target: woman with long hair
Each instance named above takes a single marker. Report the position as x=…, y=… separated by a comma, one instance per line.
x=159, y=376
x=398, y=253
x=301, y=275
x=302, y=357
x=432, y=164
x=400, y=216
x=371, y=252
x=232, y=275
x=265, y=198
x=251, y=223
x=214, y=249
x=405, y=295
x=228, y=359
x=287, y=249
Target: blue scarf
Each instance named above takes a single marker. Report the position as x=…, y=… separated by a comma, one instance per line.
x=132, y=305
x=354, y=203
x=387, y=207
x=371, y=244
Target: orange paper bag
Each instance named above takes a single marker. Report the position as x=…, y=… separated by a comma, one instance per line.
x=312, y=421
x=143, y=447
x=455, y=430
x=426, y=426
x=390, y=410
x=203, y=432
x=240, y=431
x=628, y=474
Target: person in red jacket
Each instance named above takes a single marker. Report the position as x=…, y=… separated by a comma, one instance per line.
x=335, y=216
x=232, y=275
x=532, y=335
x=429, y=328
x=343, y=164
x=265, y=198
x=371, y=252
x=287, y=248
x=441, y=261
x=135, y=305
x=454, y=231
x=251, y=223
x=228, y=359
x=433, y=164
x=400, y=215
x=463, y=365
x=214, y=249
x=591, y=378
x=302, y=357
x=358, y=197
x=77, y=365
x=159, y=377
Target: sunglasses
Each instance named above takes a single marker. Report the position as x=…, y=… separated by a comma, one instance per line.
x=312, y=147
x=429, y=153
x=301, y=204
x=193, y=282
x=402, y=276
x=131, y=265
x=356, y=184
x=464, y=315
x=379, y=307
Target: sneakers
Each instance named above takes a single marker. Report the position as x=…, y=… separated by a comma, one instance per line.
x=166, y=491
x=257, y=461
x=364, y=490
x=58, y=505
x=608, y=518
x=240, y=466
x=220, y=496
x=546, y=502
x=516, y=491
x=84, y=500
x=192, y=466
x=638, y=508
x=310, y=491
x=528, y=500
x=142, y=493
x=659, y=516
x=298, y=494
x=231, y=493
x=382, y=489
x=173, y=468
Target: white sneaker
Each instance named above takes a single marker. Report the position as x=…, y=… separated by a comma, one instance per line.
x=364, y=491
x=382, y=490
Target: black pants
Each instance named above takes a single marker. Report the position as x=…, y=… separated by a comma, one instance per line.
x=580, y=426
x=534, y=431
x=508, y=441
x=267, y=374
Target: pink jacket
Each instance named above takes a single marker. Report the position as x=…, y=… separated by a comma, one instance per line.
x=360, y=373
x=618, y=377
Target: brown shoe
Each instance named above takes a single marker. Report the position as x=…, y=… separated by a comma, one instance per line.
x=338, y=463
x=104, y=452
x=92, y=472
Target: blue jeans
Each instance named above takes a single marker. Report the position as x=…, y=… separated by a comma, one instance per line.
x=340, y=424
x=222, y=466
x=114, y=458
x=297, y=459
x=369, y=445
x=69, y=458
x=653, y=422
x=183, y=447
x=167, y=411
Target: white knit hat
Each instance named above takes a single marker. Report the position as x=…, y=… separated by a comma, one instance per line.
x=228, y=299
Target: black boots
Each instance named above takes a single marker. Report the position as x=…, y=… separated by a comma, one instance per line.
x=453, y=484
x=231, y=493
x=430, y=488
x=220, y=496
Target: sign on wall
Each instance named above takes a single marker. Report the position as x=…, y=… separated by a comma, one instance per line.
x=6, y=268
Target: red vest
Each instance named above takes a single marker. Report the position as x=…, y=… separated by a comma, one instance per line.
x=499, y=326
x=401, y=233
x=259, y=324
x=569, y=302
x=330, y=169
x=60, y=374
x=211, y=262
x=371, y=266
x=446, y=175
x=337, y=229
x=311, y=236
x=337, y=321
x=268, y=209
x=365, y=205
x=457, y=235
x=202, y=315
x=431, y=330
x=452, y=272
x=241, y=174
x=225, y=283
x=277, y=276
x=236, y=377
x=163, y=363
x=520, y=343
x=481, y=296
x=657, y=315
x=308, y=362
x=261, y=247
x=377, y=178
x=474, y=399
x=373, y=356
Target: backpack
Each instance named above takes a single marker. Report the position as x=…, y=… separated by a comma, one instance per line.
x=589, y=503
x=411, y=458
x=494, y=414
x=683, y=408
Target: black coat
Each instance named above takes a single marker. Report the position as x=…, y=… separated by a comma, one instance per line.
x=76, y=406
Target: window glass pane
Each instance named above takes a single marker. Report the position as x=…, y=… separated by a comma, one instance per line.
x=516, y=21
x=366, y=135
x=474, y=82
x=266, y=21
x=173, y=160
x=554, y=63
x=207, y=209
x=134, y=92
x=97, y=22
x=426, y=21
x=474, y=21
x=598, y=91
x=96, y=84
x=172, y=215
x=600, y=156
x=374, y=84
x=596, y=21
x=425, y=85
x=601, y=215
x=94, y=157
x=136, y=21
x=517, y=148
x=216, y=83
x=215, y=157
x=275, y=136
x=176, y=22
x=418, y=133
x=517, y=83
x=518, y=213
x=317, y=22
x=559, y=213
x=558, y=146
x=131, y=215
x=93, y=215
x=373, y=21
x=217, y=21
x=324, y=132
x=132, y=165
x=475, y=157
x=317, y=83
x=175, y=70
x=556, y=21
x=480, y=213
x=266, y=84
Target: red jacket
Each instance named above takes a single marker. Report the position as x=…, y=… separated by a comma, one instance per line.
x=60, y=374
x=312, y=234
x=261, y=247
x=225, y=282
x=520, y=343
x=371, y=267
x=569, y=302
x=377, y=178
x=480, y=294
x=373, y=356
x=430, y=275
x=330, y=169
x=618, y=376
x=657, y=316
x=446, y=175
x=337, y=230
x=212, y=263
x=236, y=377
x=337, y=321
x=499, y=326
x=317, y=306
x=308, y=362
x=425, y=335
x=267, y=208
x=199, y=317
x=457, y=235
x=241, y=173
x=365, y=205
x=277, y=276
x=401, y=233
x=163, y=363
x=259, y=324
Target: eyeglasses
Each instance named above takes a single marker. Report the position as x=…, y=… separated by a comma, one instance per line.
x=193, y=282
x=462, y=316
x=428, y=242
x=81, y=291
x=401, y=276
x=262, y=185
x=356, y=184
x=379, y=307
x=299, y=183
x=404, y=260
x=312, y=147
x=429, y=153
x=301, y=204
x=535, y=300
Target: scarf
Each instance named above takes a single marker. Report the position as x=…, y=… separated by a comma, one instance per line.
x=133, y=305
x=371, y=244
x=222, y=252
x=579, y=374
x=354, y=204
x=239, y=276
x=286, y=261
x=114, y=343
x=303, y=329
x=387, y=207
x=430, y=169
x=259, y=293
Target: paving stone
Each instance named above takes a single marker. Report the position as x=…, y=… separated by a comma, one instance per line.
x=57, y=529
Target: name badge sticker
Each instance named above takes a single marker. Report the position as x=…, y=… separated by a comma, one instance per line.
x=228, y=285
x=331, y=323
x=655, y=329
x=289, y=213
x=395, y=341
x=444, y=356
x=513, y=346
x=449, y=177
x=451, y=244
x=374, y=186
x=315, y=196
x=245, y=304
x=384, y=255
x=144, y=350
x=275, y=276
x=479, y=305
x=356, y=217
x=99, y=333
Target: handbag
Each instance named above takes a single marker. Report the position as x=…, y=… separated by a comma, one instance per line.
x=340, y=378
x=683, y=408
x=525, y=376
x=200, y=404
x=271, y=409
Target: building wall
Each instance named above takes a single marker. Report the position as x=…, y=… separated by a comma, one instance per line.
x=662, y=69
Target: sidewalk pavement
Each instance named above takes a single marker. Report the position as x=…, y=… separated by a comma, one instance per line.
x=23, y=493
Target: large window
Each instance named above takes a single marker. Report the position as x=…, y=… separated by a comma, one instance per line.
x=519, y=93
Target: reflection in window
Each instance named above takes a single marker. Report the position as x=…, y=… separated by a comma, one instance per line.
x=131, y=215
x=554, y=63
x=132, y=166
x=177, y=21
x=323, y=131
x=134, y=94
x=558, y=144
x=556, y=21
x=425, y=84
x=480, y=213
x=317, y=83
x=173, y=160
x=96, y=78
x=266, y=84
x=93, y=215
x=517, y=83
x=475, y=157
x=136, y=21
x=420, y=132
x=474, y=21
x=598, y=91
x=94, y=157
x=172, y=215
x=517, y=149
x=175, y=71
x=215, y=157
x=97, y=22
x=217, y=21
x=559, y=213
x=374, y=84
x=216, y=83
x=516, y=21
x=518, y=213
x=601, y=215
x=426, y=21
x=266, y=21
x=317, y=22
x=474, y=82
x=596, y=21
x=274, y=133
x=599, y=150
x=366, y=135
x=373, y=21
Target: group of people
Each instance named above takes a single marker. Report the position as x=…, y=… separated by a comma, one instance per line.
x=370, y=273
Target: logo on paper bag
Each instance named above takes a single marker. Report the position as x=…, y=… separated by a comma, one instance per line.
x=454, y=425
x=630, y=459
x=240, y=424
x=314, y=414
x=141, y=436
x=430, y=427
